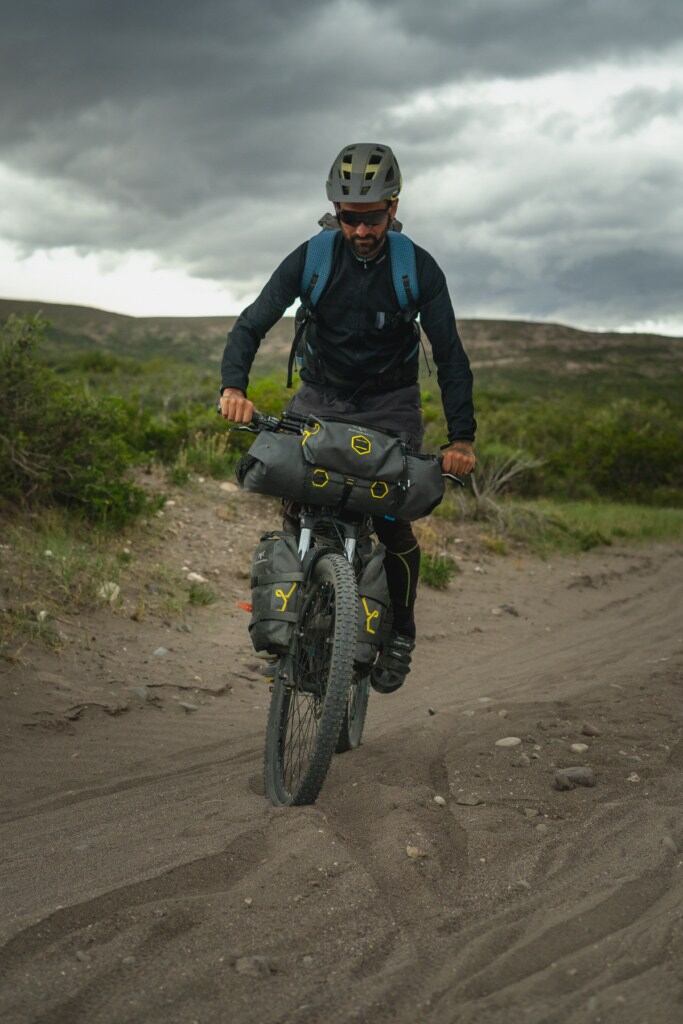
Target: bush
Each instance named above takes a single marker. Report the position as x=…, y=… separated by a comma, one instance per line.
x=59, y=445
x=625, y=449
x=437, y=570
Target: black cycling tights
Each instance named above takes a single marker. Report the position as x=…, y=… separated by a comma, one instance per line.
x=402, y=565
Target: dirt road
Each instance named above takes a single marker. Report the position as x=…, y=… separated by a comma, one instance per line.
x=144, y=878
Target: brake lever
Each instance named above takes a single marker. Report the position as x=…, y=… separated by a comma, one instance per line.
x=454, y=478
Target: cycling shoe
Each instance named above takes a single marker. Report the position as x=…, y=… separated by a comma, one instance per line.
x=393, y=663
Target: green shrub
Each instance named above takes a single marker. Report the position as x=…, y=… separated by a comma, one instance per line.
x=437, y=570
x=201, y=594
x=58, y=444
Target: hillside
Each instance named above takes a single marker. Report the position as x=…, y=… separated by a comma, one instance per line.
x=524, y=355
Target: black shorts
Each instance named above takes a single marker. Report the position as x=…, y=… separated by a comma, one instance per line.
x=398, y=411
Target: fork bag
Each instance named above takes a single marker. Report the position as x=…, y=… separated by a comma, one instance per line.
x=373, y=607
x=276, y=575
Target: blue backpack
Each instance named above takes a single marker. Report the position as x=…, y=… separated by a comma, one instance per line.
x=316, y=273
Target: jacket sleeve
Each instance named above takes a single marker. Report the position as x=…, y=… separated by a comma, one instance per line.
x=257, y=319
x=453, y=371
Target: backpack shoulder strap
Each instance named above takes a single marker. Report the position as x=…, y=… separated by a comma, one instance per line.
x=404, y=271
x=317, y=266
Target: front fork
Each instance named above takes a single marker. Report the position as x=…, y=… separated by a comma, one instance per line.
x=306, y=534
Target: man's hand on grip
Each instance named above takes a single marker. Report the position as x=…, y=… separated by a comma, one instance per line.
x=236, y=407
x=458, y=458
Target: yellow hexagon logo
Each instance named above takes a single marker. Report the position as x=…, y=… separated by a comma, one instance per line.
x=320, y=478
x=379, y=489
x=361, y=444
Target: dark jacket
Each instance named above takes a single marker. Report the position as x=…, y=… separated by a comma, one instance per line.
x=358, y=336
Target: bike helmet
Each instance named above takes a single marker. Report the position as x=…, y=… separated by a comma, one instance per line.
x=365, y=172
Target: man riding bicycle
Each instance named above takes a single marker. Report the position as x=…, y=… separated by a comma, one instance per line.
x=360, y=360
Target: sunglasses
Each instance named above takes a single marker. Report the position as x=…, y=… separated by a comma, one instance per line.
x=371, y=219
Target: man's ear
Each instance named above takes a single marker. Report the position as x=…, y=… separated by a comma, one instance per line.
x=393, y=207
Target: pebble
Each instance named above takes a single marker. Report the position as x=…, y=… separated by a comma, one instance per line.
x=510, y=609
x=140, y=691
x=42, y=616
x=82, y=956
x=196, y=577
x=255, y=966
x=522, y=761
x=48, y=553
x=415, y=852
x=579, y=748
x=568, y=778
x=248, y=901
x=541, y=828
x=502, y=713
x=431, y=711
x=307, y=960
x=509, y=741
x=128, y=961
x=228, y=487
x=186, y=706
x=588, y=729
x=669, y=843
x=160, y=652
x=633, y=777
x=531, y=812
x=440, y=801
x=468, y=800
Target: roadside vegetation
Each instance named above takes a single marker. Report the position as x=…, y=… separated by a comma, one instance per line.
x=563, y=465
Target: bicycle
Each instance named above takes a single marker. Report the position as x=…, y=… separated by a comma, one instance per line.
x=320, y=693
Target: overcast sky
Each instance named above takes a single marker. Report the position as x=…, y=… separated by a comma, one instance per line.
x=163, y=157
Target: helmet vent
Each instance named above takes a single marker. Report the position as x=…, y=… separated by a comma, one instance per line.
x=375, y=159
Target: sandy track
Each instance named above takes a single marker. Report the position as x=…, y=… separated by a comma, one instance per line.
x=130, y=842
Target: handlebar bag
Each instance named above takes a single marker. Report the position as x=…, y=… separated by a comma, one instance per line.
x=357, y=469
x=276, y=575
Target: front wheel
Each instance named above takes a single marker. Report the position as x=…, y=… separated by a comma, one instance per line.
x=310, y=692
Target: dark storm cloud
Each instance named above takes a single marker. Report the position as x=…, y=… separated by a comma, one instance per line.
x=525, y=37
x=203, y=132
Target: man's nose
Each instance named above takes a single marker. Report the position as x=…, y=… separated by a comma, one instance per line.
x=363, y=230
